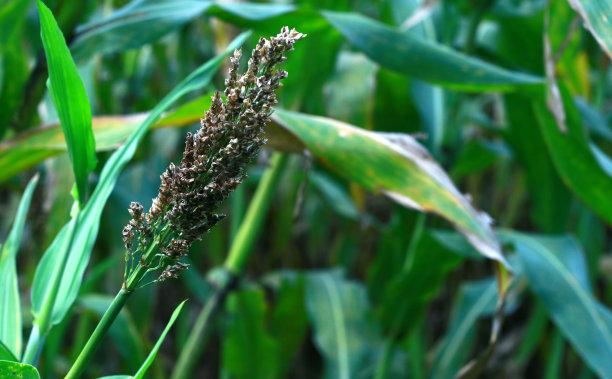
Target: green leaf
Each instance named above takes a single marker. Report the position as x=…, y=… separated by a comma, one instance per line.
x=343, y=333
x=14, y=370
x=395, y=165
x=123, y=330
x=12, y=14
x=6, y=354
x=597, y=15
x=248, y=349
x=10, y=308
x=548, y=265
x=116, y=377
x=573, y=158
x=87, y=230
x=423, y=59
x=475, y=300
x=143, y=369
x=143, y=22
x=422, y=279
x=288, y=325
x=70, y=99
x=551, y=199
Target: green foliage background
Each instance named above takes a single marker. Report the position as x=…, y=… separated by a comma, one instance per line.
x=364, y=258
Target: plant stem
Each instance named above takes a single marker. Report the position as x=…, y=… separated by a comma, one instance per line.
x=98, y=334
x=249, y=229
x=235, y=262
x=109, y=316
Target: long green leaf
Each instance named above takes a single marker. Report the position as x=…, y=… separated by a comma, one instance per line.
x=87, y=230
x=142, y=22
x=573, y=158
x=577, y=314
x=10, y=308
x=151, y=357
x=12, y=15
x=395, y=165
x=597, y=17
x=337, y=310
x=424, y=59
x=17, y=370
x=248, y=349
x=70, y=99
x=475, y=300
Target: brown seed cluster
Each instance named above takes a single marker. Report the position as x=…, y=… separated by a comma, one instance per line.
x=214, y=159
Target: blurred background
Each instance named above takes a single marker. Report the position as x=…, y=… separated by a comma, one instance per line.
x=329, y=250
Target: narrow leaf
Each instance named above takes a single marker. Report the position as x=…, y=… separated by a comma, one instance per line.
x=87, y=230
x=338, y=310
x=424, y=59
x=70, y=99
x=143, y=369
x=10, y=308
x=395, y=165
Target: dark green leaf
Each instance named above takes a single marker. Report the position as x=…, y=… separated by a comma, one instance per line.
x=410, y=55
x=566, y=297
x=6, y=354
x=248, y=349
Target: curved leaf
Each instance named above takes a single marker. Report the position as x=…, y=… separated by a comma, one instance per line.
x=143, y=369
x=424, y=59
x=395, y=165
x=567, y=299
x=10, y=308
x=573, y=158
x=142, y=22
x=597, y=17
x=337, y=311
x=70, y=99
x=87, y=230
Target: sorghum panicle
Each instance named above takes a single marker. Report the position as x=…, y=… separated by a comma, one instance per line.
x=214, y=159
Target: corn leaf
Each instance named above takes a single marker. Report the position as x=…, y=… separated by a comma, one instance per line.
x=597, y=15
x=70, y=99
x=424, y=59
x=10, y=308
x=6, y=354
x=395, y=165
x=551, y=266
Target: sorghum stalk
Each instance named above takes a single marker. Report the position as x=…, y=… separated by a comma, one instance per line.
x=213, y=165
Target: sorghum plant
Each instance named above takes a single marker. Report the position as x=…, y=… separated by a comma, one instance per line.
x=213, y=165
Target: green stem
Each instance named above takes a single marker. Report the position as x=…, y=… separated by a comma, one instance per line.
x=235, y=263
x=382, y=370
x=43, y=323
x=98, y=334
x=249, y=229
